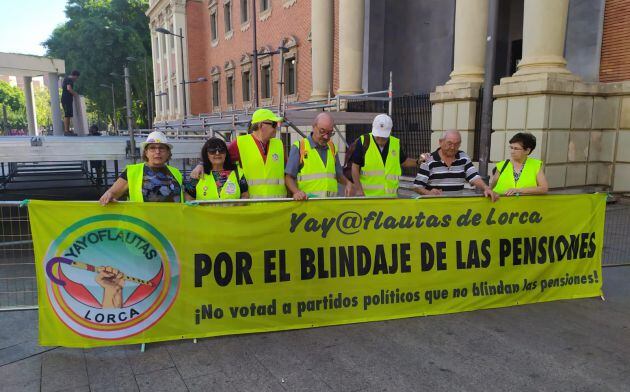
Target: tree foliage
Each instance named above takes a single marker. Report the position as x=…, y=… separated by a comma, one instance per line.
x=42, y=107
x=13, y=100
x=97, y=39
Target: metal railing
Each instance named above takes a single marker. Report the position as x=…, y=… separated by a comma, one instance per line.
x=18, y=287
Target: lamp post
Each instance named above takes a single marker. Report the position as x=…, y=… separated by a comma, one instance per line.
x=255, y=54
x=198, y=80
x=146, y=87
x=114, y=119
x=181, y=51
x=132, y=140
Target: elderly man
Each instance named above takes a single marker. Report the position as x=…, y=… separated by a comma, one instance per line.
x=448, y=169
x=378, y=160
x=313, y=168
x=260, y=157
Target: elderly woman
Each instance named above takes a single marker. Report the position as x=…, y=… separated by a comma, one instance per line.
x=152, y=180
x=520, y=175
x=221, y=178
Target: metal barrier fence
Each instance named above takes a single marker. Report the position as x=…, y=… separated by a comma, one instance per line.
x=18, y=288
x=411, y=116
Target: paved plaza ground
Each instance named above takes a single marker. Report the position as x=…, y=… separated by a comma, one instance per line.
x=576, y=345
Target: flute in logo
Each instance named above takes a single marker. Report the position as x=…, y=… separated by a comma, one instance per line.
x=84, y=266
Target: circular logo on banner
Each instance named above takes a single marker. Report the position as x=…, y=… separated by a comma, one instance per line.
x=111, y=276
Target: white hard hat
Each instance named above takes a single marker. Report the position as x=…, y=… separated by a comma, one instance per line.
x=156, y=137
x=382, y=125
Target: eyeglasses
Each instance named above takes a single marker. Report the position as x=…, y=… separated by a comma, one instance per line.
x=516, y=148
x=213, y=151
x=329, y=132
x=159, y=147
x=272, y=123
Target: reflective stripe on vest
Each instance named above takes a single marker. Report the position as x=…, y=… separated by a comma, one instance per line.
x=316, y=179
x=207, y=188
x=378, y=179
x=135, y=174
x=526, y=180
x=264, y=177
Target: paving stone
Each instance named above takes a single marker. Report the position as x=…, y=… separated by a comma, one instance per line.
x=167, y=380
x=193, y=359
x=23, y=375
x=63, y=368
x=109, y=370
x=155, y=357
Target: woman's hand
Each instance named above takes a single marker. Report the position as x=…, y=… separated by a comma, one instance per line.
x=197, y=172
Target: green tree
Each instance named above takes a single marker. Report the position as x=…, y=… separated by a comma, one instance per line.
x=12, y=99
x=42, y=107
x=97, y=39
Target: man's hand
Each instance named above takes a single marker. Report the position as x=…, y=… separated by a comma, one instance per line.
x=197, y=173
x=511, y=192
x=107, y=198
x=299, y=195
x=488, y=192
x=112, y=282
x=435, y=192
x=424, y=157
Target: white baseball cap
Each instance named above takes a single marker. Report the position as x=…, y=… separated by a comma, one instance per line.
x=382, y=125
x=156, y=137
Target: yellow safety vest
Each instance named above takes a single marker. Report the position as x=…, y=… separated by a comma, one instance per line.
x=207, y=188
x=135, y=173
x=527, y=178
x=378, y=179
x=314, y=178
x=265, y=178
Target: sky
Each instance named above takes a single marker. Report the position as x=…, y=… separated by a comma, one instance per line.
x=27, y=23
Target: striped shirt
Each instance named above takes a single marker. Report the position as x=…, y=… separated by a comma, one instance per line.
x=434, y=173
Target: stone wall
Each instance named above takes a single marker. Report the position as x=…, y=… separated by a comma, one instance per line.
x=582, y=129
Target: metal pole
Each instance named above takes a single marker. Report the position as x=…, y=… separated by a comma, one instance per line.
x=281, y=78
x=132, y=141
x=390, y=94
x=146, y=87
x=115, y=119
x=255, y=55
x=488, y=82
x=181, y=47
x=4, y=118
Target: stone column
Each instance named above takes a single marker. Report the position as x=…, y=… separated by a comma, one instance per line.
x=544, y=30
x=471, y=30
x=53, y=90
x=351, y=20
x=155, y=67
x=179, y=22
x=322, y=18
x=31, y=115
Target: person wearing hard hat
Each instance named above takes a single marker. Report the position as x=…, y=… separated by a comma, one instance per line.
x=378, y=159
x=152, y=180
x=313, y=168
x=260, y=157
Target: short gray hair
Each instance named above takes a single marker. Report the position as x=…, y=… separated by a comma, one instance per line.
x=444, y=134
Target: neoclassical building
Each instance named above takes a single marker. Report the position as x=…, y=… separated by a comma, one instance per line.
x=562, y=67
x=321, y=58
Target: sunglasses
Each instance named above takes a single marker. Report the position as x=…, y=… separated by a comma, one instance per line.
x=216, y=151
x=272, y=123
